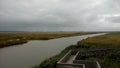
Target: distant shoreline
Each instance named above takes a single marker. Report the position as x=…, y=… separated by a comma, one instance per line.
x=14, y=38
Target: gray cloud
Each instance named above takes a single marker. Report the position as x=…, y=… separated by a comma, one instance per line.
x=59, y=15
x=115, y=19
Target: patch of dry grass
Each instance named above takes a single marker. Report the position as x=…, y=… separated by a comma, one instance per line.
x=5, y=38
x=112, y=39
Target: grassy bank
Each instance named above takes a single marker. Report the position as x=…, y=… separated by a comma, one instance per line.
x=51, y=62
x=112, y=40
x=105, y=41
x=13, y=38
x=110, y=60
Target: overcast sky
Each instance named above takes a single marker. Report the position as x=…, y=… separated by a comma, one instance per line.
x=59, y=15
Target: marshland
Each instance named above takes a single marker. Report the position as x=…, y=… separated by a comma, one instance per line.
x=39, y=33
x=49, y=47
x=33, y=52
x=109, y=60
x=13, y=38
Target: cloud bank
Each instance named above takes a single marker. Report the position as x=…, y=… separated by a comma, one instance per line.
x=59, y=15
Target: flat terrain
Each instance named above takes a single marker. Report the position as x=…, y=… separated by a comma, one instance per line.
x=112, y=40
x=105, y=41
x=110, y=60
x=13, y=38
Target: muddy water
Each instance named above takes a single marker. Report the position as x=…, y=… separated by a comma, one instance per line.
x=35, y=51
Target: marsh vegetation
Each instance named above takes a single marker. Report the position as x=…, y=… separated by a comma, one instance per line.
x=13, y=38
x=110, y=60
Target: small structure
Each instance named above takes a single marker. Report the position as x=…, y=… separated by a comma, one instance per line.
x=72, y=60
x=76, y=59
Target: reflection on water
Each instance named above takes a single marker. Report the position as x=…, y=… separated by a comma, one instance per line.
x=35, y=51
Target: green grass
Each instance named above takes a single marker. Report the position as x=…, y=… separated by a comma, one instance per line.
x=51, y=62
x=110, y=60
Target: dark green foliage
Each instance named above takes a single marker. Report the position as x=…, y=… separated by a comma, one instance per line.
x=51, y=62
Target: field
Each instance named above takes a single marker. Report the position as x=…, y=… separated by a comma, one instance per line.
x=110, y=60
x=105, y=41
x=13, y=38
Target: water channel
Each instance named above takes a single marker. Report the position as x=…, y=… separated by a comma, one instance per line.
x=35, y=51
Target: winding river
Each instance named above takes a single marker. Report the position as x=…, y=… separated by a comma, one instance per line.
x=35, y=51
